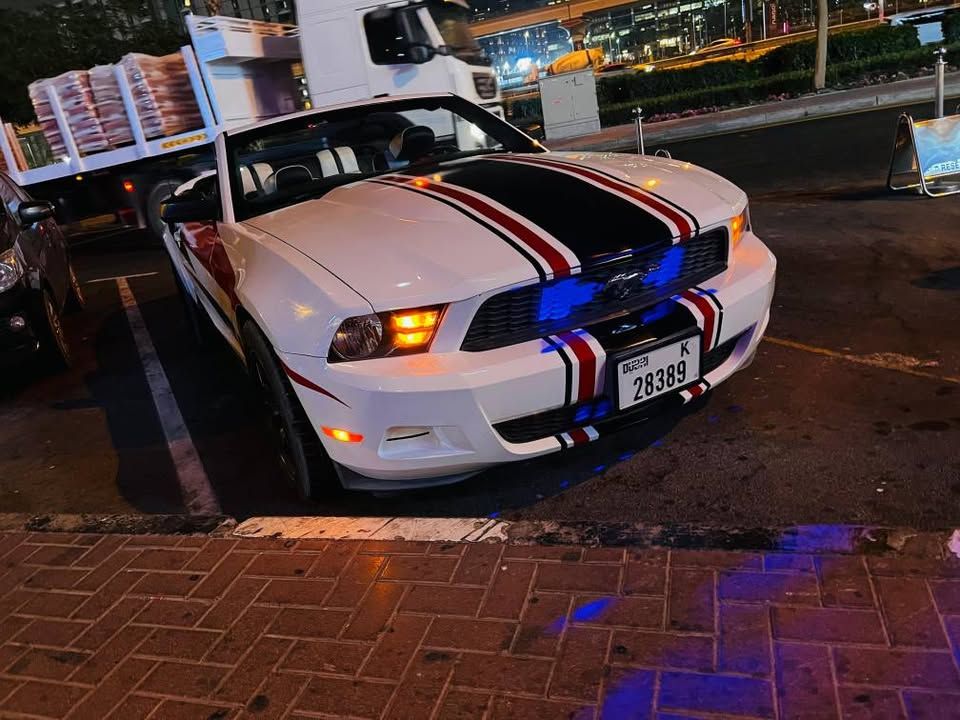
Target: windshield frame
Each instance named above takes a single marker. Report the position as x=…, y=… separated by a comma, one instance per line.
x=512, y=140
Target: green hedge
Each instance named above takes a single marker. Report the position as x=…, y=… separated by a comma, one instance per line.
x=641, y=85
x=951, y=27
x=841, y=48
x=741, y=83
x=742, y=93
x=791, y=83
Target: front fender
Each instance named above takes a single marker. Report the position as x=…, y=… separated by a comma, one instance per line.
x=296, y=302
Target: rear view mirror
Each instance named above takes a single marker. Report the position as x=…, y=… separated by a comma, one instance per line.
x=34, y=211
x=189, y=207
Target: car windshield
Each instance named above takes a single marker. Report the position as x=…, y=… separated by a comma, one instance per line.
x=451, y=19
x=304, y=157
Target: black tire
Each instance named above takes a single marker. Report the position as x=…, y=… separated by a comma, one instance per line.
x=54, y=348
x=303, y=462
x=75, y=298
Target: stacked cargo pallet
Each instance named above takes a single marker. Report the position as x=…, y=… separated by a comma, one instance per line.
x=113, y=116
x=48, y=123
x=94, y=109
x=163, y=94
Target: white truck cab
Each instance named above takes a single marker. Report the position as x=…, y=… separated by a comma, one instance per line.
x=357, y=49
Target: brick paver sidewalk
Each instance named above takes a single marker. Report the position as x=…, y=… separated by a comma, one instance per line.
x=189, y=627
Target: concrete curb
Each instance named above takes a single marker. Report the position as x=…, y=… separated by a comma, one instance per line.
x=807, y=539
x=903, y=92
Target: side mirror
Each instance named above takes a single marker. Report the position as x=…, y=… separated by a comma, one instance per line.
x=189, y=207
x=419, y=53
x=34, y=211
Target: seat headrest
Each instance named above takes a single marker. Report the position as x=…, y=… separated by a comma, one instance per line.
x=292, y=175
x=412, y=143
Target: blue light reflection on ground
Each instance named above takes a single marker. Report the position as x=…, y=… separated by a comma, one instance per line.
x=630, y=697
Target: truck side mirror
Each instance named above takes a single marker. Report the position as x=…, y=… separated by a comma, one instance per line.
x=420, y=53
x=189, y=207
x=34, y=211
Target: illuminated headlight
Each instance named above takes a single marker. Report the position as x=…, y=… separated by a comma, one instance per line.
x=382, y=334
x=739, y=224
x=10, y=270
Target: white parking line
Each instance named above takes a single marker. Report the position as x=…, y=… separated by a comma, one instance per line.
x=198, y=495
x=121, y=277
x=877, y=361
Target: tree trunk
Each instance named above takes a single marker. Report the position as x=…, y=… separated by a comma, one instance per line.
x=820, y=71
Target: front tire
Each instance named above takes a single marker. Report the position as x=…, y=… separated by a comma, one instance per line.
x=54, y=349
x=303, y=462
x=75, y=299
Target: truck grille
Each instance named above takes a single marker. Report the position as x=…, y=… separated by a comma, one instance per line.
x=607, y=290
x=486, y=85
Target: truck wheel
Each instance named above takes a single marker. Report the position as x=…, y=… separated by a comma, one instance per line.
x=303, y=462
x=54, y=349
x=158, y=193
x=75, y=298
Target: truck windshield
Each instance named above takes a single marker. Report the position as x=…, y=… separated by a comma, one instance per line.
x=285, y=163
x=451, y=19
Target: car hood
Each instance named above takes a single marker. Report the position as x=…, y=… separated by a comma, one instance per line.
x=473, y=226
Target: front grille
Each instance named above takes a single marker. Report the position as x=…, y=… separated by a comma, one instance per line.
x=600, y=410
x=606, y=290
x=486, y=85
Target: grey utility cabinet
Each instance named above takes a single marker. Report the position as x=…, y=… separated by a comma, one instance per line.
x=569, y=104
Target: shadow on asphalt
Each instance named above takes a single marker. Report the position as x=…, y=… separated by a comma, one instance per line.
x=948, y=279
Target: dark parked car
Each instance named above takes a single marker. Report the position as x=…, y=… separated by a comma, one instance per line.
x=37, y=282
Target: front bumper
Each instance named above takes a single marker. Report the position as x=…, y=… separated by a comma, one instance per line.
x=441, y=416
x=17, y=343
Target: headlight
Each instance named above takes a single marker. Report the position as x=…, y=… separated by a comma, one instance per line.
x=738, y=226
x=10, y=270
x=382, y=334
x=358, y=337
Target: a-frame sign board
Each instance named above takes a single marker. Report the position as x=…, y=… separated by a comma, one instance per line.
x=926, y=155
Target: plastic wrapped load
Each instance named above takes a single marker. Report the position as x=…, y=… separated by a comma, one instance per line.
x=106, y=95
x=80, y=109
x=162, y=93
x=48, y=123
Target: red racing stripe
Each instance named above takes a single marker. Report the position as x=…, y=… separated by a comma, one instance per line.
x=309, y=384
x=696, y=390
x=579, y=436
x=708, y=310
x=586, y=362
x=557, y=262
x=682, y=223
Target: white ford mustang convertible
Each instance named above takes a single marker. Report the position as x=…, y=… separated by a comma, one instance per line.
x=422, y=291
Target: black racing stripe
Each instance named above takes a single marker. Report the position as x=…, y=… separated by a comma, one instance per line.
x=706, y=384
x=336, y=160
x=715, y=301
x=563, y=444
x=479, y=220
x=567, y=370
x=658, y=196
x=592, y=222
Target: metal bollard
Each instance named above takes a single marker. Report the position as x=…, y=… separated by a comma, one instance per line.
x=939, y=67
x=638, y=111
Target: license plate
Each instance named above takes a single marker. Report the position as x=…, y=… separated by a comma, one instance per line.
x=658, y=372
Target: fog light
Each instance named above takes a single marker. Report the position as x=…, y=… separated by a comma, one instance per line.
x=16, y=323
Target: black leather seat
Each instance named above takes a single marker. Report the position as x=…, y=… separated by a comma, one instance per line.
x=409, y=145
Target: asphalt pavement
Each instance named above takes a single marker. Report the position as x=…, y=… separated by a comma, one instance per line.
x=850, y=413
